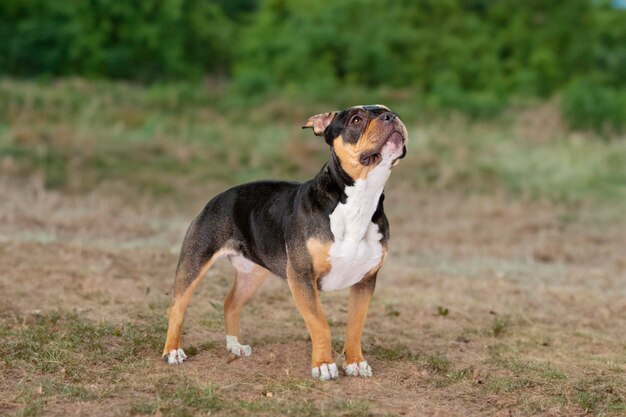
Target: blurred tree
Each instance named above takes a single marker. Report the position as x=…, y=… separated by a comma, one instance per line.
x=467, y=54
x=148, y=40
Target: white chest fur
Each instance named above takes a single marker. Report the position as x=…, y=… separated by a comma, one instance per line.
x=356, y=248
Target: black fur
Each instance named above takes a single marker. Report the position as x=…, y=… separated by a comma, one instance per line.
x=265, y=220
x=258, y=218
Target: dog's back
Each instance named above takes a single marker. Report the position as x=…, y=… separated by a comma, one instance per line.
x=249, y=220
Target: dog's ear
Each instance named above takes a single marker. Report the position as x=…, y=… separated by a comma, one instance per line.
x=320, y=122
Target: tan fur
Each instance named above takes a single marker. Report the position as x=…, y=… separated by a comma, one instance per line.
x=176, y=315
x=176, y=311
x=310, y=308
x=349, y=153
x=348, y=159
x=358, y=305
x=245, y=286
x=319, y=255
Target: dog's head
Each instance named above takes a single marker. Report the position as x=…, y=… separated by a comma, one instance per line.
x=362, y=137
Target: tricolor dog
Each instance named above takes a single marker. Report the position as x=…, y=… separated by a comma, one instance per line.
x=325, y=234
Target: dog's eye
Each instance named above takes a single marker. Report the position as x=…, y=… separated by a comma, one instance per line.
x=356, y=120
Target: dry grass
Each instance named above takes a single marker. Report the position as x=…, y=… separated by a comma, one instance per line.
x=499, y=309
x=164, y=139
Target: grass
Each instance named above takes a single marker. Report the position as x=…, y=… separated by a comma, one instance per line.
x=496, y=157
x=125, y=134
x=164, y=137
x=63, y=358
x=602, y=395
x=499, y=325
x=60, y=343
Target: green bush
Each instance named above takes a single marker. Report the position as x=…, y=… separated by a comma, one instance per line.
x=145, y=40
x=592, y=105
x=470, y=55
x=503, y=47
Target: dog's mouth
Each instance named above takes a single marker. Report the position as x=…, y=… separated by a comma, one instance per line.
x=375, y=156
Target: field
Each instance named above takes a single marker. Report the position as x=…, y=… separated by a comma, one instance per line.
x=504, y=292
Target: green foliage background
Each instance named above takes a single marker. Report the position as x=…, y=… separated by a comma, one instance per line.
x=471, y=55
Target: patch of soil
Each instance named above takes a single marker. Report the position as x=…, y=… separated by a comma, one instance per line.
x=558, y=286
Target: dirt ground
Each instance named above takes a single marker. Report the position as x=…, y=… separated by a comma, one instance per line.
x=483, y=307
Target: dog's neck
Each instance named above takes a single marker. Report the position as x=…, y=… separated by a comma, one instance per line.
x=337, y=173
x=333, y=183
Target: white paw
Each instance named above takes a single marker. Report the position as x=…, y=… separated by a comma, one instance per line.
x=176, y=357
x=358, y=369
x=325, y=372
x=233, y=346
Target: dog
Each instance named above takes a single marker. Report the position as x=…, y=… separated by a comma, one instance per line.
x=325, y=234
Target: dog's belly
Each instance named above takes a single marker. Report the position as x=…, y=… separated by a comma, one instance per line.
x=350, y=260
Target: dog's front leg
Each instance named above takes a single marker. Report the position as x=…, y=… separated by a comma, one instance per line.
x=360, y=296
x=303, y=287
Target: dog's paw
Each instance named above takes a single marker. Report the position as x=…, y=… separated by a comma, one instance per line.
x=358, y=369
x=233, y=346
x=175, y=357
x=325, y=372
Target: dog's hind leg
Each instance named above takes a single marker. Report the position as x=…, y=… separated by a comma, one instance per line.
x=187, y=279
x=248, y=278
x=196, y=257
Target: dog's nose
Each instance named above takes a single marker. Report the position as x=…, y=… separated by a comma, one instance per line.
x=388, y=116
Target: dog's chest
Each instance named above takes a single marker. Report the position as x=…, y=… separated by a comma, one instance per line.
x=356, y=249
